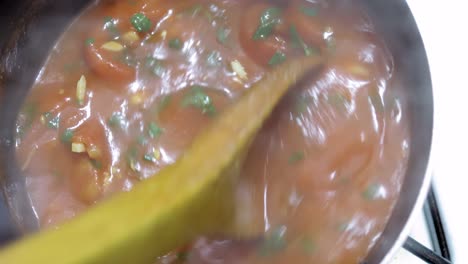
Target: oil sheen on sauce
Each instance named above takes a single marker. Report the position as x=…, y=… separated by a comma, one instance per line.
x=131, y=83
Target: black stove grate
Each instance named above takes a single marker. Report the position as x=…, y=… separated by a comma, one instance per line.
x=441, y=253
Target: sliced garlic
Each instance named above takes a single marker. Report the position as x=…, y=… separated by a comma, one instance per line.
x=78, y=147
x=239, y=69
x=81, y=89
x=131, y=37
x=157, y=154
x=112, y=46
x=136, y=99
x=358, y=69
x=164, y=34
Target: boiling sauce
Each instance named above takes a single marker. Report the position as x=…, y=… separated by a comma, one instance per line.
x=131, y=83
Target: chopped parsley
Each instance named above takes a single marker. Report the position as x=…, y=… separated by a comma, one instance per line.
x=298, y=42
x=116, y=120
x=268, y=20
x=51, y=121
x=175, y=44
x=89, y=41
x=199, y=99
x=67, y=135
x=222, y=34
x=140, y=22
x=277, y=58
x=149, y=158
x=296, y=157
x=154, y=130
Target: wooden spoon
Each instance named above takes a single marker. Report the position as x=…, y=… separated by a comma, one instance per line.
x=192, y=197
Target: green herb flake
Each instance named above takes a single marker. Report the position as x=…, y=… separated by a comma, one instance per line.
x=277, y=58
x=222, y=34
x=273, y=242
x=67, y=135
x=96, y=164
x=51, y=121
x=309, y=11
x=149, y=158
x=298, y=42
x=268, y=20
x=214, y=59
x=154, y=130
x=140, y=22
x=175, y=44
x=199, y=99
x=372, y=192
x=296, y=157
x=116, y=120
x=89, y=41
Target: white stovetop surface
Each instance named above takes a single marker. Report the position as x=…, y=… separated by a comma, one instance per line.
x=443, y=26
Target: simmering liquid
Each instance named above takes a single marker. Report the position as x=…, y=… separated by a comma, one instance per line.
x=132, y=82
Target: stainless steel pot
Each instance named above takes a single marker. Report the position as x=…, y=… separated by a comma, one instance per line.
x=31, y=27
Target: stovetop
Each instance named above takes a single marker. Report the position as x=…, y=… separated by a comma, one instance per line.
x=443, y=28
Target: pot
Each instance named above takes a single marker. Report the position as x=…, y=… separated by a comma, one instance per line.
x=31, y=28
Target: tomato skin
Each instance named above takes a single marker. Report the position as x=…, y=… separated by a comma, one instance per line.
x=105, y=65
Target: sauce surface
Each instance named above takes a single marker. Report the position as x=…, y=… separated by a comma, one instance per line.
x=131, y=83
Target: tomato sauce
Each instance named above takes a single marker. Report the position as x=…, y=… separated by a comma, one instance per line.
x=131, y=83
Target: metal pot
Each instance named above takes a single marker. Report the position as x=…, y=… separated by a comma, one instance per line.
x=33, y=27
